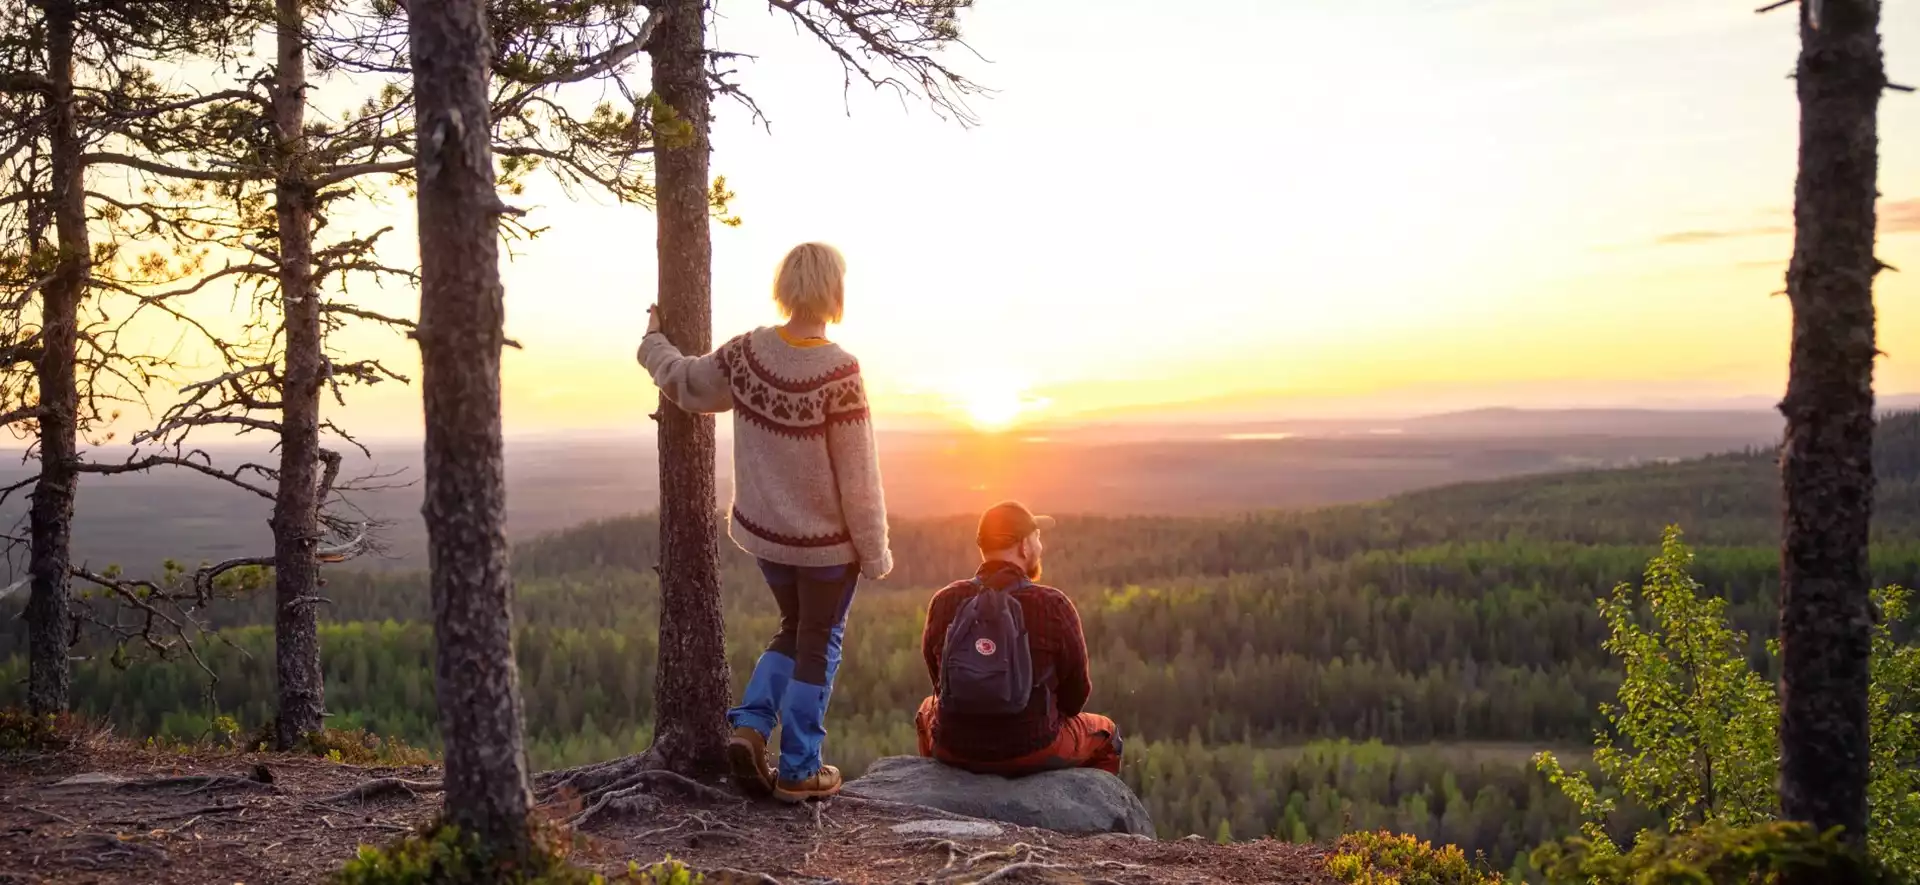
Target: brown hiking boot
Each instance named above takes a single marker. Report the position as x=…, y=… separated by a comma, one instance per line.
x=747, y=759
x=824, y=784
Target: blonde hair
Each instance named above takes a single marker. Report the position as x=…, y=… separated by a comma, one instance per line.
x=810, y=284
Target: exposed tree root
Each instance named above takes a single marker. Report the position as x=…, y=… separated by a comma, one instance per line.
x=709, y=827
x=585, y=779
x=1008, y=864
x=730, y=876
x=380, y=788
x=635, y=793
x=202, y=812
x=1022, y=868
x=113, y=851
x=212, y=783
x=50, y=815
x=955, y=851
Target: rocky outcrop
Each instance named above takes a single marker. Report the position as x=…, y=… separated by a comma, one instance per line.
x=1081, y=800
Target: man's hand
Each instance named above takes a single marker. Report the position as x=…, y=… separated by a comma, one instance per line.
x=653, y=319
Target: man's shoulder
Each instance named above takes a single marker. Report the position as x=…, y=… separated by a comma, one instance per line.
x=947, y=595
x=1052, y=596
x=961, y=587
x=1027, y=592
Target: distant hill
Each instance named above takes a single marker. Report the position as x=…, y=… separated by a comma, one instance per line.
x=555, y=483
x=1600, y=422
x=1723, y=499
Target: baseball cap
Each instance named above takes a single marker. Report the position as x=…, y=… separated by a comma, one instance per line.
x=1007, y=523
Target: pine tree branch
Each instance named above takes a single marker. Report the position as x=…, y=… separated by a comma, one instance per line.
x=364, y=314
x=8, y=491
x=204, y=576
x=231, y=270
x=229, y=95
x=25, y=82
x=347, y=173
x=105, y=158
x=907, y=32
x=245, y=422
x=609, y=60
x=232, y=477
x=26, y=350
x=21, y=414
x=26, y=294
x=235, y=375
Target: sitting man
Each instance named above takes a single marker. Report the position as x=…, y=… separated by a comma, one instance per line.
x=1009, y=665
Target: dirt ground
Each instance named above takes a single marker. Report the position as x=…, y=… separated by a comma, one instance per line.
x=160, y=817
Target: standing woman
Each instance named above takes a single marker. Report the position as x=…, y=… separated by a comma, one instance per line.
x=807, y=504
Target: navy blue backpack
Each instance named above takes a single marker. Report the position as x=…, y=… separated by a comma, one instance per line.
x=986, y=668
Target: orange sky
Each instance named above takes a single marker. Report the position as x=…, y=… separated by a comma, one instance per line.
x=1388, y=207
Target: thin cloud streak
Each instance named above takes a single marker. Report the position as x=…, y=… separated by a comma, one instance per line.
x=1688, y=237
x=1896, y=217
x=1902, y=217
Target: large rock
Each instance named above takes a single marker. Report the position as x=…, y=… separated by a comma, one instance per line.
x=1081, y=800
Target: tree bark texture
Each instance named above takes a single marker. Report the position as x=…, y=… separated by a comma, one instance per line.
x=51, y=514
x=691, y=688
x=296, y=505
x=461, y=333
x=1826, y=461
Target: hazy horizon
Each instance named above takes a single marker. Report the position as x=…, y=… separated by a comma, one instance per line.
x=1197, y=418
x=559, y=481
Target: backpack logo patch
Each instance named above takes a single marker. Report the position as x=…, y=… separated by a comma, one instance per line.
x=985, y=646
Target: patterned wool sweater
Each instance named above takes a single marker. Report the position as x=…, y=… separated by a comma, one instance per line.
x=806, y=473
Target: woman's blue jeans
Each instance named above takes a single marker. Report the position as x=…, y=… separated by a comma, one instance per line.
x=794, y=676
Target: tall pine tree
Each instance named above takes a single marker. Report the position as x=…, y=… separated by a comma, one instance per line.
x=461, y=334
x=1826, y=461
x=68, y=70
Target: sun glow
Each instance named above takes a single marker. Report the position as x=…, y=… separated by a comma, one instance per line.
x=994, y=404
x=993, y=409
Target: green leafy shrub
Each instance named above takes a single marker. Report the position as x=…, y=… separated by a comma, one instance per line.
x=1711, y=854
x=224, y=729
x=666, y=872
x=1396, y=859
x=440, y=853
x=1694, y=732
x=1893, y=794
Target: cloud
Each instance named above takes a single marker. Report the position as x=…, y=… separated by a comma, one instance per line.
x=1690, y=237
x=1901, y=217
x=1896, y=217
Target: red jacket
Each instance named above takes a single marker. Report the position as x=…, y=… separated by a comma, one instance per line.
x=1060, y=680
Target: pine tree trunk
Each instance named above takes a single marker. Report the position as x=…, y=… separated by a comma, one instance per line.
x=51, y=514
x=296, y=505
x=691, y=686
x=1826, y=461
x=461, y=334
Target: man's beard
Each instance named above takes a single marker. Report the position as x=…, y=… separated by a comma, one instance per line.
x=1033, y=570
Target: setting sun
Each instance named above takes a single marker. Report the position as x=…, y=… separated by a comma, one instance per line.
x=994, y=403
x=993, y=408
